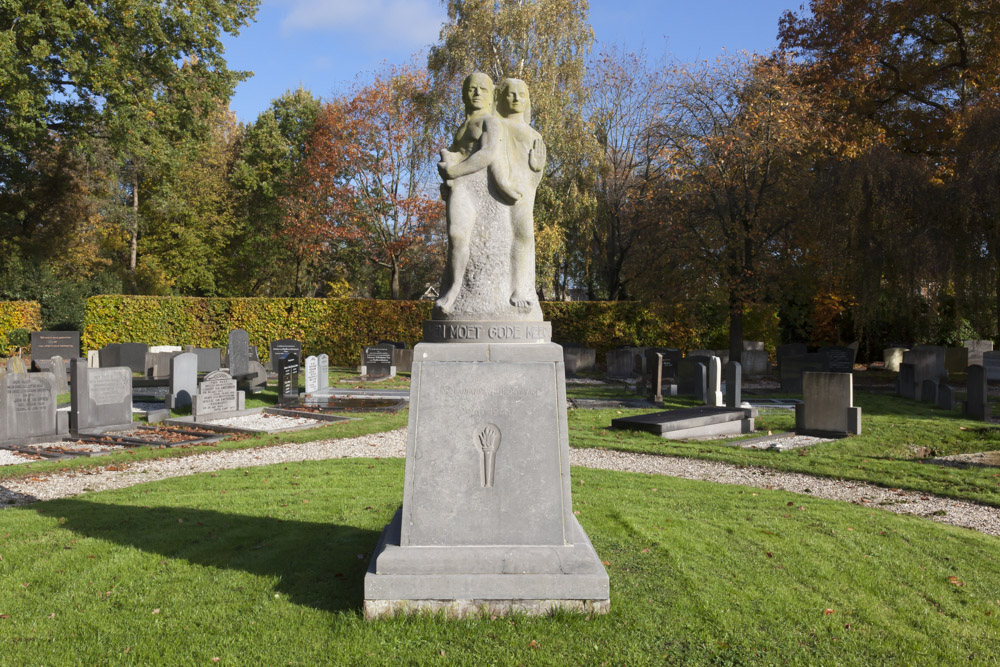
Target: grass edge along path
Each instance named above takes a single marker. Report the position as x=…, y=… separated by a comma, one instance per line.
x=265, y=566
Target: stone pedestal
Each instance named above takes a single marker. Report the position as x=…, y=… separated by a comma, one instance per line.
x=487, y=521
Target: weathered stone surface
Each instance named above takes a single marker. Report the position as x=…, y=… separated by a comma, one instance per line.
x=28, y=405
x=312, y=375
x=217, y=397
x=935, y=353
x=946, y=397
x=402, y=359
x=57, y=366
x=238, y=352
x=929, y=391
x=714, y=396
x=209, y=358
x=976, y=349
x=323, y=361
x=101, y=398
x=734, y=384
x=459, y=331
x=619, y=364
x=827, y=405
x=753, y=346
x=16, y=365
x=133, y=355
x=787, y=350
x=690, y=380
x=183, y=379
x=755, y=362
x=892, y=357
x=93, y=359
x=838, y=358
x=578, y=358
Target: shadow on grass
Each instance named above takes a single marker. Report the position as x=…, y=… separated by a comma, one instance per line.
x=320, y=565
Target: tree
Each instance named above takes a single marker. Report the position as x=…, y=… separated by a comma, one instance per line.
x=544, y=43
x=624, y=111
x=369, y=176
x=734, y=138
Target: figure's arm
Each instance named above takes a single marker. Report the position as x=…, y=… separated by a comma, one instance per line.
x=481, y=158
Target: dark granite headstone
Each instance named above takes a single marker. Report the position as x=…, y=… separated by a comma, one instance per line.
x=110, y=355
x=929, y=391
x=671, y=363
x=788, y=350
x=133, y=355
x=183, y=379
x=977, y=404
x=619, y=364
x=280, y=348
x=395, y=343
x=100, y=398
x=377, y=361
x=946, y=397
x=47, y=344
x=238, y=352
x=734, y=385
x=209, y=358
x=323, y=361
x=28, y=405
x=691, y=381
x=838, y=359
x=701, y=381
x=288, y=378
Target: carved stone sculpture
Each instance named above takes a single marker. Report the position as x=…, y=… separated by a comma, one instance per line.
x=491, y=172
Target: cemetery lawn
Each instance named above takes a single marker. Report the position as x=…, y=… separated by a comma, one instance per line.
x=898, y=438
x=266, y=566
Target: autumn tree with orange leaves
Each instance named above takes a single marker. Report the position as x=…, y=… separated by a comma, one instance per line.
x=369, y=178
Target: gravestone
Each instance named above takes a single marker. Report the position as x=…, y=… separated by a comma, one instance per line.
x=312, y=375
x=183, y=379
x=827, y=406
x=155, y=349
x=723, y=355
x=699, y=422
x=620, y=364
x=946, y=397
x=956, y=359
x=402, y=359
x=93, y=359
x=892, y=357
x=976, y=349
x=217, y=397
x=324, y=370
x=133, y=355
x=906, y=383
x=789, y=349
x=110, y=355
x=280, y=348
x=16, y=365
x=838, y=359
x=288, y=378
x=399, y=345
x=57, y=366
x=701, y=381
x=101, y=398
x=209, y=358
x=935, y=352
x=376, y=361
x=991, y=364
x=238, y=352
x=28, y=404
x=929, y=391
x=158, y=364
x=256, y=378
x=669, y=368
x=252, y=354
x=656, y=387
x=753, y=346
x=794, y=366
x=734, y=385
x=714, y=397
x=690, y=380
x=47, y=344
x=977, y=404
x=755, y=362
x=578, y=358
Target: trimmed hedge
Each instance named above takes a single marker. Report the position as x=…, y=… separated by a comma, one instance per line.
x=18, y=315
x=341, y=327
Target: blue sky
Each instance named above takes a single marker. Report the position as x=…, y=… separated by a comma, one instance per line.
x=325, y=44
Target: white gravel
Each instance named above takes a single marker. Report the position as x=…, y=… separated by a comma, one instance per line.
x=393, y=445
x=8, y=458
x=265, y=422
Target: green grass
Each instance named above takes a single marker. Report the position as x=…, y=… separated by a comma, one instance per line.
x=265, y=566
x=886, y=453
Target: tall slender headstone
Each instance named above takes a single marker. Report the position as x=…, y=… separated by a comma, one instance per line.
x=57, y=366
x=656, y=388
x=238, y=352
x=323, y=362
x=976, y=403
x=288, y=378
x=312, y=374
x=183, y=379
x=734, y=385
x=714, y=397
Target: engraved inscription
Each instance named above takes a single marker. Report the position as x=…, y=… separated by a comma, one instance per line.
x=217, y=393
x=489, y=441
x=109, y=385
x=28, y=394
x=506, y=332
x=466, y=392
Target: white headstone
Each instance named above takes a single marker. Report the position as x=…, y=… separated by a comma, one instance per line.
x=714, y=395
x=312, y=375
x=324, y=370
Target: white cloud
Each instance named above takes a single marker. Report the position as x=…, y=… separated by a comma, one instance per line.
x=380, y=23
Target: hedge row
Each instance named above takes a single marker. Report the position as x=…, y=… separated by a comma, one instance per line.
x=17, y=315
x=341, y=327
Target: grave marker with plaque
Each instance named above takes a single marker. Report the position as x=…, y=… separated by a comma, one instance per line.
x=312, y=374
x=28, y=404
x=217, y=397
x=288, y=379
x=376, y=362
x=101, y=398
x=48, y=344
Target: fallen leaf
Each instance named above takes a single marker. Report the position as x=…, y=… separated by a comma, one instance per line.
x=52, y=615
x=156, y=611
x=646, y=550
x=955, y=581
x=847, y=626
x=605, y=562
x=533, y=644
x=216, y=659
x=827, y=612
x=4, y=615
x=770, y=555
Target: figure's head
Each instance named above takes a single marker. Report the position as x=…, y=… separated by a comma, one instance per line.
x=477, y=92
x=513, y=98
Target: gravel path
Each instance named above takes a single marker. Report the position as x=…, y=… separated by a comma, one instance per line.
x=393, y=444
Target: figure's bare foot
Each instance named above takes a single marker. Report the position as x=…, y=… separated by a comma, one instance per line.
x=445, y=303
x=522, y=300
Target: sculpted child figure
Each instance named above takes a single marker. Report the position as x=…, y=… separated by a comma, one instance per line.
x=477, y=145
x=526, y=157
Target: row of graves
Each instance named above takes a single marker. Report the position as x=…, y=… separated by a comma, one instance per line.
x=924, y=370
x=825, y=411
x=106, y=387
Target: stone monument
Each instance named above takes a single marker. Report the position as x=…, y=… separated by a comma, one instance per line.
x=487, y=522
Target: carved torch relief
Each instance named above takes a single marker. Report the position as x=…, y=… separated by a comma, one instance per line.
x=488, y=441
